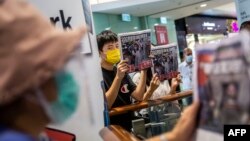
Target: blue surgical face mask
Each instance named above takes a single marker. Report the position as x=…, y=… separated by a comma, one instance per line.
x=67, y=98
x=189, y=58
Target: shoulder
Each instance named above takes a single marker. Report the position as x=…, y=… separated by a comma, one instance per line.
x=14, y=136
x=136, y=75
x=182, y=64
x=165, y=83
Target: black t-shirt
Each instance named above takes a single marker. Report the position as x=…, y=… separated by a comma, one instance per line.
x=127, y=87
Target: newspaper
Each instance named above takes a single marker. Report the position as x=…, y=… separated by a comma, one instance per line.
x=222, y=85
x=165, y=61
x=135, y=47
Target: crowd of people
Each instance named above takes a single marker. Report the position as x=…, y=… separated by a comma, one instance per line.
x=41, y=92
x=119, y=87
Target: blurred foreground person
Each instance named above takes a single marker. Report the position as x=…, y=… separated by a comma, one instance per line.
x=37, y=86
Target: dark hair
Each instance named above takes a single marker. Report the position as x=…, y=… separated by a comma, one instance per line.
x=105, y=37
x=9, y=112
x=149, y=77
x=245, y=25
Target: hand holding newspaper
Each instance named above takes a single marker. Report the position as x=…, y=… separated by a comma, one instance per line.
x=222, y=85
x=135, y=48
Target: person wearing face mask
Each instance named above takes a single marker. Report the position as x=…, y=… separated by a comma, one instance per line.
x=185, y=69
x=119, y=86
x=37, y=84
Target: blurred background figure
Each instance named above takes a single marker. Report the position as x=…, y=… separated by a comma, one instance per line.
x=35, y=87
x=185, y=69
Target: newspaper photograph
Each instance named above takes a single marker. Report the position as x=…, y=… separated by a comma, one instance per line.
x=135, y=47
x=165, y=61
x=222, y=84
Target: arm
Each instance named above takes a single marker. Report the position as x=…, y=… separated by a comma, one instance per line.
x=148, y=94
x=140, y=89
x=113, y=91
x=154, y=84
x=184, y=129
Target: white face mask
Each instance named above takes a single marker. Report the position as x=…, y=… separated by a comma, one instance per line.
x=189, y=59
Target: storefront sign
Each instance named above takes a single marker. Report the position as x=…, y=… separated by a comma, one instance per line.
x=205, y=25
x=161, y=35
x=208, y=24
x=243, y=10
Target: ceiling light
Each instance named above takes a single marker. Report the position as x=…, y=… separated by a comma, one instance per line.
x=108, y=28
x=203, y=5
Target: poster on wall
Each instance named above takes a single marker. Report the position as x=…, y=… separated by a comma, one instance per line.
x=161, y=35
x=243, y=11
x=68, y=15
x=135, y=47
x=165, y=61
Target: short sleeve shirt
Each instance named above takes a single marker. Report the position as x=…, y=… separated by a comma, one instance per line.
x=127, y=87
x=186, y=73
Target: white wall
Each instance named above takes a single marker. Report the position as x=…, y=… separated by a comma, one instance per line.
x=88, y=119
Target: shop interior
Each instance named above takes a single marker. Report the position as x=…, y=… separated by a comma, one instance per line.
x=215, y=20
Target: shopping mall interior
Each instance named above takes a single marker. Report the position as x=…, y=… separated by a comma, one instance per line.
x=141, y=74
